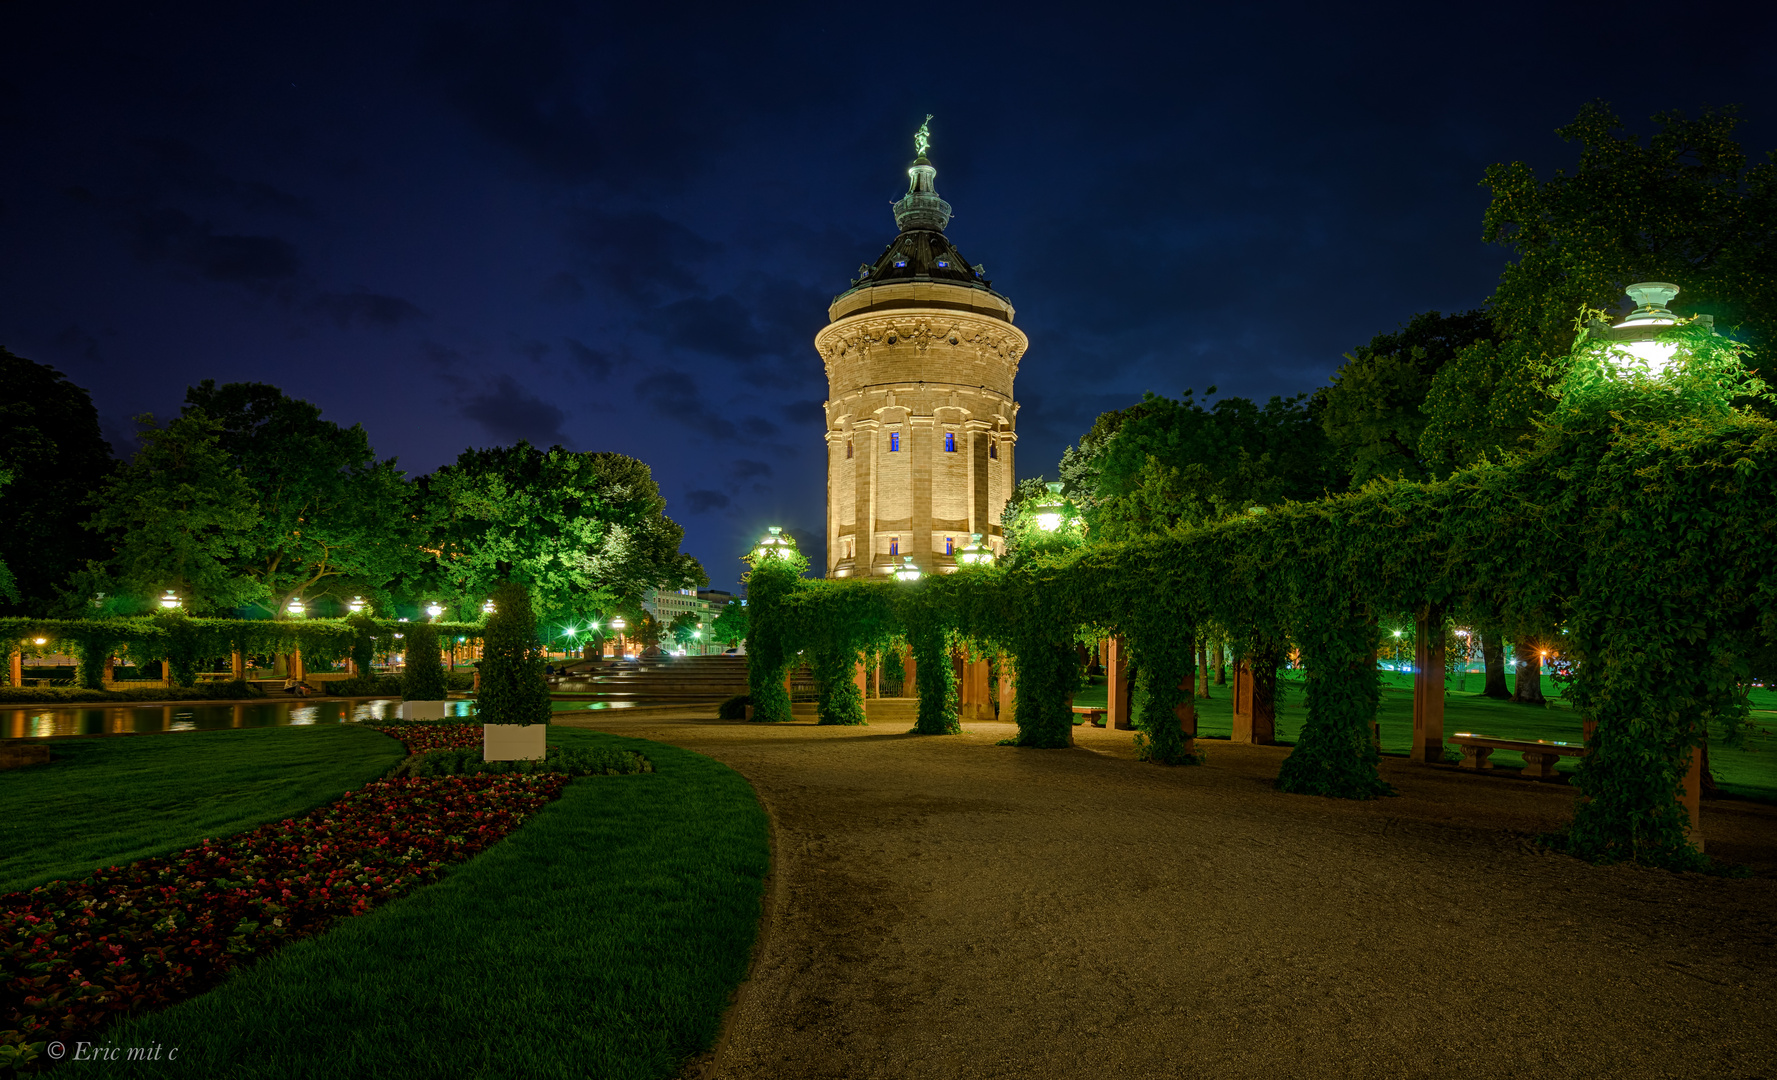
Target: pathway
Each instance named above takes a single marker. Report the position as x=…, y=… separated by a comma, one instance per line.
x=943, y=907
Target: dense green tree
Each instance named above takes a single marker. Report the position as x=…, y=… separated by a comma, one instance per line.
x=1684, y=206
x=332, y=518
x=1374, y=412
x=182, y=517
x=51, y=447
x=512, y=686
x=683, y=630
x=731, y=623
x=422, y=668
x=585, y=532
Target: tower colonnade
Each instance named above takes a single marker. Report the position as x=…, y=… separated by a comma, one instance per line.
x=920, y=355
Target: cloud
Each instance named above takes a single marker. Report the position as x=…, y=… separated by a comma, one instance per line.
x=640, y=255
x=535, y=351
x=177, y=164
x=509, y=414
x=673, y=395
x=744, y=469
x=703, y=500
x=366, y=309
x=718, y=326
x=562, y=288
x=169, y=234
x=75, y=340
x=591, y=361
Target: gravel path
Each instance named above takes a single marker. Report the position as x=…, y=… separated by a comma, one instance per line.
x=944, y=907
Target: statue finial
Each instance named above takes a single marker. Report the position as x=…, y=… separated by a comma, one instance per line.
x=922, y=139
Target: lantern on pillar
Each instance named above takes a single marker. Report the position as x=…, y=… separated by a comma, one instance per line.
x=907, y=571
x=170, y=601
x=295, y=608
x=356, y=607
x=1049, y=511
x=488, y=608
x=434, y=609
x=975, y=553
x=773, y=545
x=1643, y=343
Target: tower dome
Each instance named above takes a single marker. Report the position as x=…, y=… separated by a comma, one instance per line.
x=920, y=355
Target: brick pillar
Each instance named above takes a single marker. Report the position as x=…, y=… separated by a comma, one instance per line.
x=978, y=676
x=1242, y=695
x=1691, y=798
x=166, y=673
x=109, y=675
x=237, y=664
x=1117, y=698
x=859, y=679
x=296, y=671
x=1428, y=689
x=1008, y=690
x=909, y=676
x=1186, y=711
x=15, y=669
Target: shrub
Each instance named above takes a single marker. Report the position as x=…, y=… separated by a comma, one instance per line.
x=55, y=695
x=364, y=686
x=735, y=708
x=512, y=686
x=466, y=761
x=424, y=680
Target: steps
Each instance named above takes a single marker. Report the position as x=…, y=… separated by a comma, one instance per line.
x=656, y=681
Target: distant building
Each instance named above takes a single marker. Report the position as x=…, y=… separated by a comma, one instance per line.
x=668, y=604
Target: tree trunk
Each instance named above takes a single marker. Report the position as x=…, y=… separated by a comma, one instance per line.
x=1529, y=688
x=1493, y=658
x=1203, y=670
x=1221, y=661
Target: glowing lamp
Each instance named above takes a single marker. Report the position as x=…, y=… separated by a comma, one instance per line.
x=975, y=553
x=434, y=610
x=487, y=608
x=619, y=625
x=40, y=641
x=1633, y=344
x=907, y=571
x=170, y=600
x=1048, y=514
x=295, y=608
x=356, y=607
x=773, y=545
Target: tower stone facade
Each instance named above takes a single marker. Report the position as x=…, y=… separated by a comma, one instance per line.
x=921, y=423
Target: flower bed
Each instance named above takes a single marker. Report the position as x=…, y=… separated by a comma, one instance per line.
x=420, y=736
x=75, y=954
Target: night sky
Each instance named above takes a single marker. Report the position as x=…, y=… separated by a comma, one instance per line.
x=585, y=224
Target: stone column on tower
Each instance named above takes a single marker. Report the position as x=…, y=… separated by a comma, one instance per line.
x=920, y=356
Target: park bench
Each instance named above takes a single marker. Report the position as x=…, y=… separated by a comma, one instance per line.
x=1094, y=714
x=1540, y=756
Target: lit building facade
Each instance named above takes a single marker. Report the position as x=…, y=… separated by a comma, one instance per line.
x=921, y=424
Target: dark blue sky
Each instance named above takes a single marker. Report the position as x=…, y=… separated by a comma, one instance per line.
x=618, y=226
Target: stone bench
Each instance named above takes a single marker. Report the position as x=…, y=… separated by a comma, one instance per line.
x=1539, y=756
x=1094, y=714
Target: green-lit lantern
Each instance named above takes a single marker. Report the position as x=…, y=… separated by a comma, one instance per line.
x=906, y=571
x=1642, y=342
x=773, y=545
x=1049, y=511
x=975, y=553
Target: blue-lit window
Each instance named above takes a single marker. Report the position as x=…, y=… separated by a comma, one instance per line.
x=950, y=545
x=950, y=442
x=900, y=262
x=894, y=545
x=894, y=441
x=943, y=265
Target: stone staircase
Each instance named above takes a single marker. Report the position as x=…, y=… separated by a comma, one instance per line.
x=665, y=680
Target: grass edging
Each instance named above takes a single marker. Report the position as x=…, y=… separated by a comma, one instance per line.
x=603, y=938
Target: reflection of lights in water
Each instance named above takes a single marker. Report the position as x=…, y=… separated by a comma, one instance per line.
x=182, y=725
x=610, y=704
x=306, y=714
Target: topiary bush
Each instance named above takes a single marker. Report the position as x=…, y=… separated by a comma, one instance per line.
x=423, y=679
x=512, y=686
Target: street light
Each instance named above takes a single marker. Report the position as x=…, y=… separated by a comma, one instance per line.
x=40, y=641
x=295, y=608
x=618, y=624
x=1635, y=342
x=975, y=553
x=356, y=607
x=487, y=608
x=170, y=600
x=1049, y=510
x=434, y=610
x=907, y=571
x=773, y=545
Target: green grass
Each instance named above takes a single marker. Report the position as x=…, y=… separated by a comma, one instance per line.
x=109, y=801
x=1749, y=771
x=602, y=939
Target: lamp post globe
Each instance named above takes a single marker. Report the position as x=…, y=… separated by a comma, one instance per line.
x=434, y=609
x=907, y=571
x=1634, y=343
x=356, y=607
x=295, y=608
x=773, y=545
x=1048, y=512
x=170, y=601
x=487, y=608
x=975, y=553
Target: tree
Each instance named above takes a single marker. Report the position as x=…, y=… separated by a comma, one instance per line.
x=51, y=447
x=586, y=532
x=512, y=686
x=1683, y=207
x=731, y=623
x=333, y=519
x=422, y=672
x=683, y=629
x=1374, y=412
x=181, y=517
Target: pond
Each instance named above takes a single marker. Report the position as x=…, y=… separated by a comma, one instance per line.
x=49, y=721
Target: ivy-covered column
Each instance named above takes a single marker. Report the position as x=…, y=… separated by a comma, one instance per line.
x=1048, y=674
x=1166, y=665
x=836, y=684
x=1336, y=754
x=935, y=681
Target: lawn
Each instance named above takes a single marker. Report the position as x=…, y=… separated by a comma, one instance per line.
x=112, y=800
x=1751, y=770
x=601, y=939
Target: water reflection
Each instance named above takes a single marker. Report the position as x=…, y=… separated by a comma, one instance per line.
x=41, y=722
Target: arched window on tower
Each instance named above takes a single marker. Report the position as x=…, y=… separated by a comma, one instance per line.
x=950, y=442
x=894, y=545
x=993, y=449
x=950, y=545
x=894, y=441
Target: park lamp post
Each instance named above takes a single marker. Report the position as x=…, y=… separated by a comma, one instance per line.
x=907, y=571
x=1635, y=342
x=620, y=625
x=356, y=607
x=975, y=553
x=295, y=608
x=170, y=601
x=773, y=545
x=488, y=608
x=1048, y=515
x=434, y=609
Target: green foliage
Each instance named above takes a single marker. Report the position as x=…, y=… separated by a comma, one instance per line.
x=423, y=672
x=771, y=580
x=182, y=516
x=730, y=626
x=573, y=761
x=55, y=456
x=512, y=686
x=331, y=517
x=1374, y=409
x=1337, y=754
x=232, y=690
x=838, y=696
x=585, y=531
